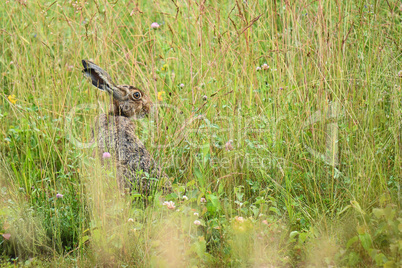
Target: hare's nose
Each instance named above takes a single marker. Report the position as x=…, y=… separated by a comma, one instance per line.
x=146, y=106
x=147, y=102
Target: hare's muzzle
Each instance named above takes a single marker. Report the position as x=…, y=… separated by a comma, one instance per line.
x=146, y=106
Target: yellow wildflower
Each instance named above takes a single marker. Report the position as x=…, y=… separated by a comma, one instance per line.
x=160, y=93
x=12, y=99
x=164, y=67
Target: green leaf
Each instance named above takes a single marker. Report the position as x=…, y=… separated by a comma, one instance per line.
x=380, y=259
x=135, y=195
x=239, y=196
x=256, y=212
x=365, y=239
x=199, y=176
x=190, y=183
x=353, y=258
x=303, y=237
x=205, y=150
x=221, y=188
x=389, y=264
x=259, y=201
x=352, y=241
x=214, y=200
x=378, y=212
x=274, y=209
x=199, y=247
x=389, y=213
x=197, y=173
x=293, y=234
x=171, y=196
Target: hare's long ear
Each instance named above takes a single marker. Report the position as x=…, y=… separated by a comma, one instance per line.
x=101, y=79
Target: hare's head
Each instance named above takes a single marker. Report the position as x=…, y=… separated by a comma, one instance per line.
x=127, y=100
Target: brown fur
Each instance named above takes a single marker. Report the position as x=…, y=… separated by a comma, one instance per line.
x=115, y=132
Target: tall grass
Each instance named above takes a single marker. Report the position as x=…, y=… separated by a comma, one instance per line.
x=315, y=171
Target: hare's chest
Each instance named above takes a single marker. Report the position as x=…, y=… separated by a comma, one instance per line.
x=116, y=134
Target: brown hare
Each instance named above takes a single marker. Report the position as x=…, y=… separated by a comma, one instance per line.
x=115, y=133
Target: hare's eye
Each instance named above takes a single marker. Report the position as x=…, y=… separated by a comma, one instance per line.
x=137, y=95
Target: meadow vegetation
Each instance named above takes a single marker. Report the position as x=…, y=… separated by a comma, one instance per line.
x=279, y=123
